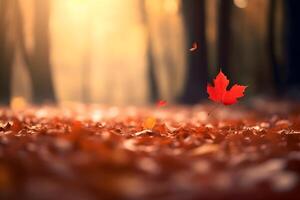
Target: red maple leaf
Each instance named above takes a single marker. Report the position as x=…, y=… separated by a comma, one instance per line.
x=219, y=94
x=161, y=103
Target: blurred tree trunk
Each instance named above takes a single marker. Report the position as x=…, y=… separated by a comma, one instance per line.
x=40, y=69
x=277, y=69
x=38, y=61
x=197, y=71
x=86, y=72
x=153, y=88
x=6, y=49
x=223, y=34
x=293, y=43
x=152, y=81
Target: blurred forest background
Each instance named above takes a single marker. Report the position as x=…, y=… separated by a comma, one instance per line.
x=137, y=51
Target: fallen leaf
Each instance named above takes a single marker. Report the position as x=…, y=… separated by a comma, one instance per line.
x=142, y=132
x=5, y=178
x=219, y=94
x=205, y=149
x=161, y=103
x=149, y=123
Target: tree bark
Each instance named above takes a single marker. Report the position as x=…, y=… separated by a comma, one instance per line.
x=197, y=71
x=153, y=87
x=6, y=50
x=277, y=73
x=38, y=61
x=293, y=43
x=223, y=34
x=40, y=69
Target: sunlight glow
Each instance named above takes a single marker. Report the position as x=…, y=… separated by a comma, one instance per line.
x=240, y=3
x=171, y=6
x=18, y=103
x=103, y=46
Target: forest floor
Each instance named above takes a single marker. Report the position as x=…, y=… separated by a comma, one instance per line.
x=100, y=152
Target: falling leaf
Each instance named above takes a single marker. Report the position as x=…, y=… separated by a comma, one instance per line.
x=219, y=94
x=149, y=123
x=194, y=47
x=161, y=103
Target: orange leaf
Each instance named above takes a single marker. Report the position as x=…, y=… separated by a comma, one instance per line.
x=149, y=123
x=219, y=94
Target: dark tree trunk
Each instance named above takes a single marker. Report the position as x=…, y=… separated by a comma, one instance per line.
x=151, y=73
x=152, y=80
x=223, y=34
x=197, y=72
x=6, y=50
x=40, y=69
x=277, y=73
x=293, y=43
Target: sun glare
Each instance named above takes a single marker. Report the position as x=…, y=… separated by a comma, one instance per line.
x=241, y=3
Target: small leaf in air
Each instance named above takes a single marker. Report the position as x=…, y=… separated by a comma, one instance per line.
x=194, y=47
